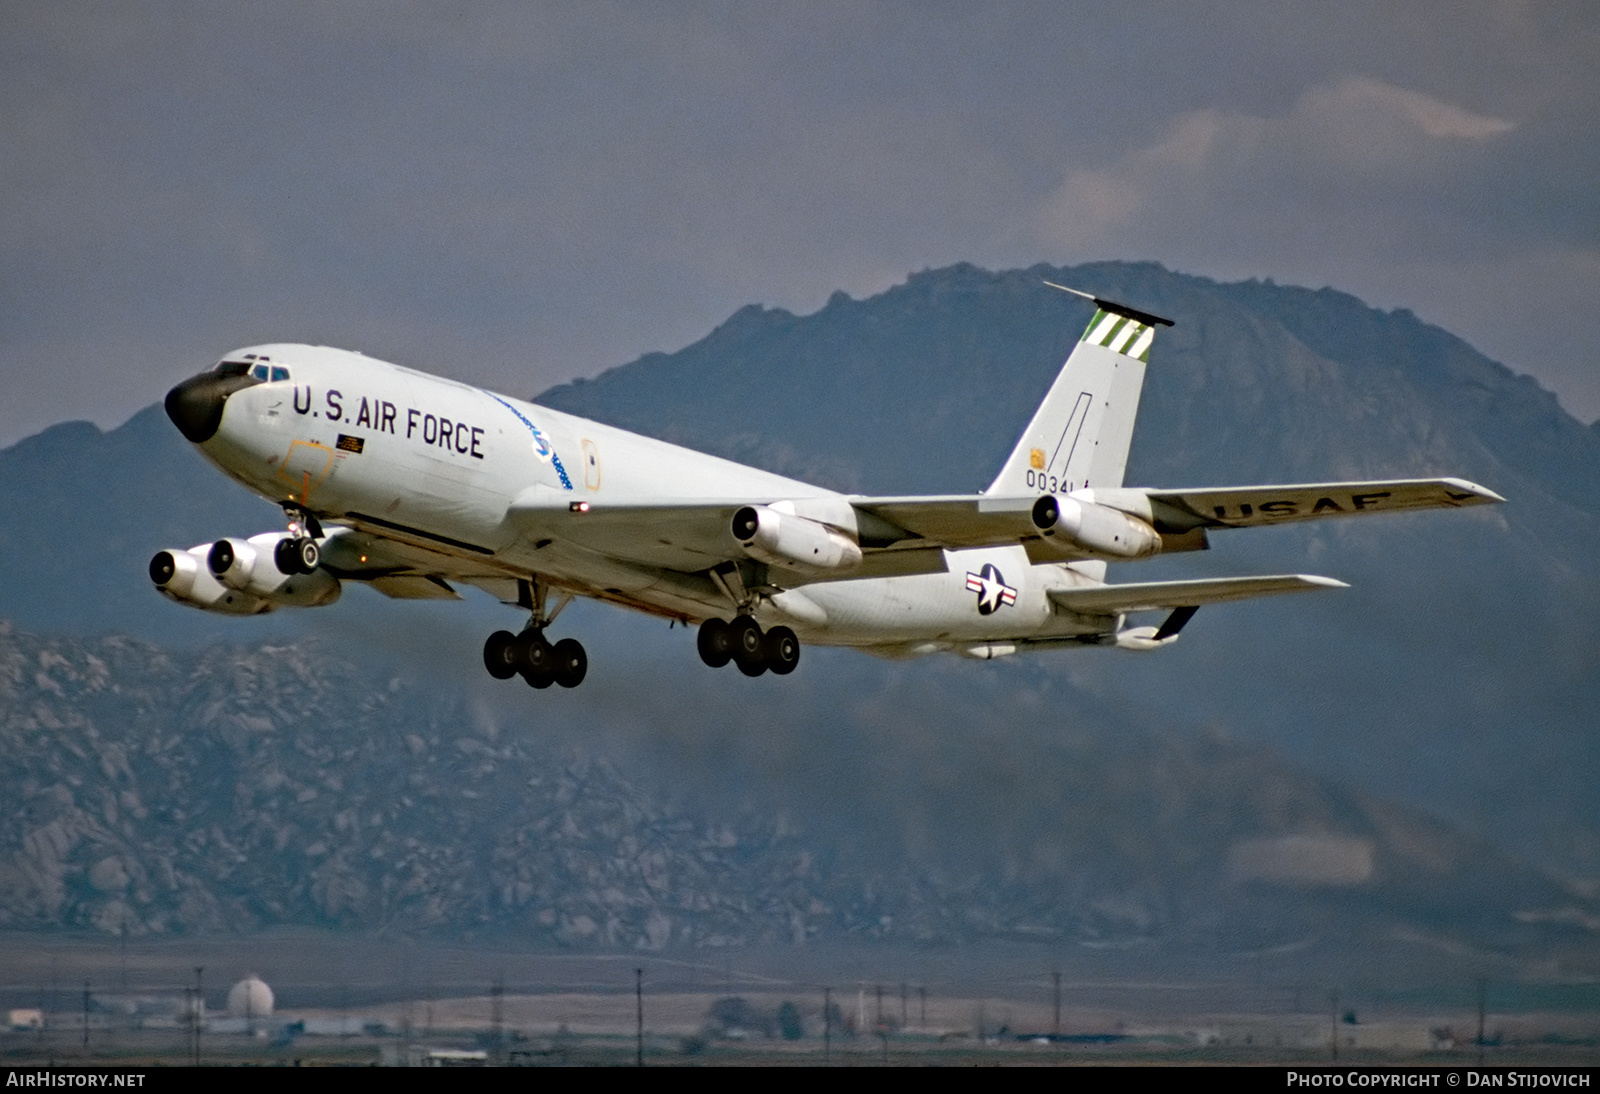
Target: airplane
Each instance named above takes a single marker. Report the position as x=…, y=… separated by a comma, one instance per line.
x=414, y=484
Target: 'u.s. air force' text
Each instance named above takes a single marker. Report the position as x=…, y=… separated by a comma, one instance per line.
x=380, y=415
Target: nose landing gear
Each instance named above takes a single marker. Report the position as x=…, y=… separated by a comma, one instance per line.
x=746, y=645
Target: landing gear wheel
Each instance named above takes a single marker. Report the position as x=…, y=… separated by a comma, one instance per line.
x=749, y=646
x=715, y=642
x=500, y=655
x=782, y=650
x=282, y=556
x=296, y=556
x=571, y=664
x=538, y=660
x=746, y=635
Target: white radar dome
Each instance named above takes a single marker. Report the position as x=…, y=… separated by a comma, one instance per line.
x=250, y=998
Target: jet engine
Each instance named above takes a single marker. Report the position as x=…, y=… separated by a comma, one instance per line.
x=793, y=542
x=240, y=577
x=1094, y=530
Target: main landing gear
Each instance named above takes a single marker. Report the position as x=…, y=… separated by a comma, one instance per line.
x=529, y=654
x=538, y=662
x=744, y=643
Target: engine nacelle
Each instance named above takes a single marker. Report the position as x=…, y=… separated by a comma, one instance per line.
x=793, y=542
x=239, y=577
x=253, y=566
x=233, y=562
x=1095, y=530
x=184, y=576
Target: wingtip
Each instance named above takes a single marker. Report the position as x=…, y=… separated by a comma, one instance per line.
x=1479, y=493
x=1319, y=582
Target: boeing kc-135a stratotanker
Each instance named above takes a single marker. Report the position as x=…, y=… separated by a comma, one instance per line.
x=414, y=484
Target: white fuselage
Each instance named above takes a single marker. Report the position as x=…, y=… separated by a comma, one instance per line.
x=422, y=469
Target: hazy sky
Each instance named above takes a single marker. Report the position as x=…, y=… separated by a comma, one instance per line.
x=516, y=194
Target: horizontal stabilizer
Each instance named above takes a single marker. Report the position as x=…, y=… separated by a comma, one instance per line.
x=1154, y=595
x=1115, y=308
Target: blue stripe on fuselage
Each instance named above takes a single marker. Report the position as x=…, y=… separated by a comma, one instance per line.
x=555, y=459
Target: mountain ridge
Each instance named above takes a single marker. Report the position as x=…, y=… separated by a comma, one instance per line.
x=232, y=789
x=1456, y=674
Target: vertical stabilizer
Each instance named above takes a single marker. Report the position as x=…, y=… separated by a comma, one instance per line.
x=1080, y=434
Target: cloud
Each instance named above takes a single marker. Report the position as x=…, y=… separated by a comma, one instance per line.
x=1092, y=201
x=1401, y=197
x=1368, y=100
x=518, y=194
x=1350, y=132
x=1362, y=125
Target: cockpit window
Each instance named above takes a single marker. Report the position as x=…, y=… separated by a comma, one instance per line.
x=254, y=367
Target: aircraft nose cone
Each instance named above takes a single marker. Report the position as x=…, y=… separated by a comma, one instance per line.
x=195, y=406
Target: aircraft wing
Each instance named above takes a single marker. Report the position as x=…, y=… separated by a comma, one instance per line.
x=954, y=521
x=901, y=535
x=693, y=533
x=1177, y=511
x=1152, y=595
x=687, y=535
x=966, y=520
